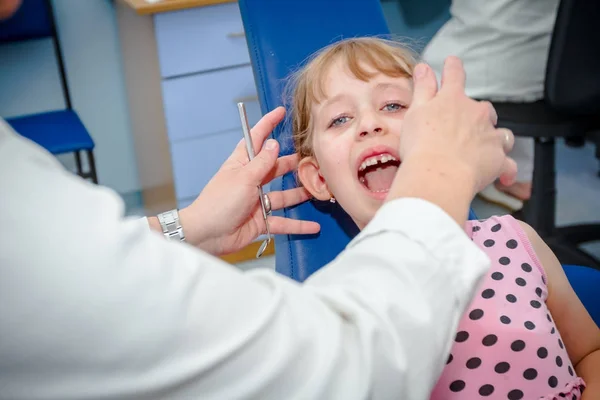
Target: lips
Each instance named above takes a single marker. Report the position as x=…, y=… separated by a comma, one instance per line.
x=376, y=169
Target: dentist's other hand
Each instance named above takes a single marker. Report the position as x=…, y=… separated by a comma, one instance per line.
x=450, y=142
x=456, y=130
x=227, y=215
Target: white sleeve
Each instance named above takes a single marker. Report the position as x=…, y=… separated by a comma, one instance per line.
x=95, y=305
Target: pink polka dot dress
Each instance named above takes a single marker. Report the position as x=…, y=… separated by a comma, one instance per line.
x=507, y=345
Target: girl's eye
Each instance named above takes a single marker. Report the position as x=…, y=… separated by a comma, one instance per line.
x=393, y=107
x=339, y=121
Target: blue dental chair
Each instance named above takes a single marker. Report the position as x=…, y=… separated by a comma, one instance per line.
x=280, y=37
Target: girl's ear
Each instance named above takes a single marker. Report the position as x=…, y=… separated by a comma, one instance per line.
x=311, y=178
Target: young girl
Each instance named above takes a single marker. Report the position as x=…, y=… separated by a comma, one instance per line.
x=348, y=106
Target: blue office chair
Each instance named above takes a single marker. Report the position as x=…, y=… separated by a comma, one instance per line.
x=280, y=41
x=59, y=131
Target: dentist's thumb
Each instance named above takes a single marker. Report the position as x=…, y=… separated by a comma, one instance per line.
x=264, y=161
x=425, y=84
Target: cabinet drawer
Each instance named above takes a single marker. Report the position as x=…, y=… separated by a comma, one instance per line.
x=195, y=161
x=205, y=104
x=200, y=39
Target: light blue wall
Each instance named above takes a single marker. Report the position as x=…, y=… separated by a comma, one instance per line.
x=29, y=83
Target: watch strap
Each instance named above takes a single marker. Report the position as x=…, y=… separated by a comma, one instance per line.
x=170, y=225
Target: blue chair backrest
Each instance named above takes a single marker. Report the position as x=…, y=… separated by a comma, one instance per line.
x=280, y=37
x=33, y=20
x=279, y=41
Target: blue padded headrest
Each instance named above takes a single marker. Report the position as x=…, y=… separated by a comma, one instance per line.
x=281, y=36
x=33, y=20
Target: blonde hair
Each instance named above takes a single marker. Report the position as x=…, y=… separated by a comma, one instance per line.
x=385, y=56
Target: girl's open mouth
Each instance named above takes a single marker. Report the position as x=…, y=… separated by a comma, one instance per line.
x=377, y=173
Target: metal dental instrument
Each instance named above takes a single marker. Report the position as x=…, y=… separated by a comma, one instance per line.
x=265, y=202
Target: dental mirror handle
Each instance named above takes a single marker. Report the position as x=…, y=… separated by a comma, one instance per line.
x=250, y=150
x=246, y=130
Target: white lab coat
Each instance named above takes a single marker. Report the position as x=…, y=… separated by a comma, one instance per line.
x=96, y=306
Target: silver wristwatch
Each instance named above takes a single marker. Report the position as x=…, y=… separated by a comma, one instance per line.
x=169, y=223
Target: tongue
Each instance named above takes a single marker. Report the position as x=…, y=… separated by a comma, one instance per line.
x=380, y=179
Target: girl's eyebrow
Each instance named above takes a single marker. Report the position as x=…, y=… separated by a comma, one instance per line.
x=332, y=100
x=387, y=85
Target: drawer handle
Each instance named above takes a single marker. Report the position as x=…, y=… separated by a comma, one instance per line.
x=246, y=99
x=236, y=34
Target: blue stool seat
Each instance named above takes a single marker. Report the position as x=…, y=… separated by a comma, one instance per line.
x=58, y=132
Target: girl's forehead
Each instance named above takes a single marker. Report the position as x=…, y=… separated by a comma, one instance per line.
x=345, y=83
x=338, y=73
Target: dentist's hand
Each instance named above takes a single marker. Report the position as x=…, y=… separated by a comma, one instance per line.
x=450, y=147
x=227, y=215
x=452, y=128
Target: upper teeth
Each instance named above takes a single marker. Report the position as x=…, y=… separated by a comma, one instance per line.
x=381, y=158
